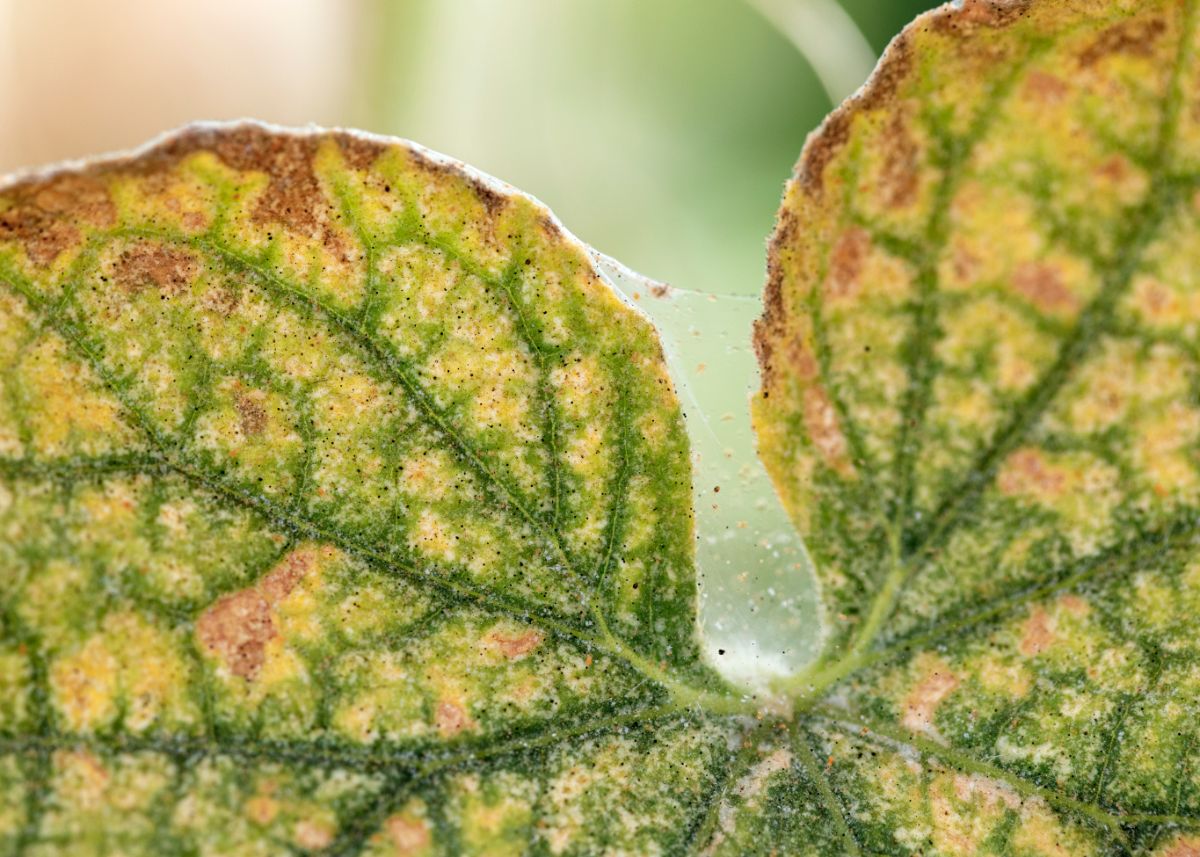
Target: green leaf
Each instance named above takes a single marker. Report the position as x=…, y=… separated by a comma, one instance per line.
x=981, y=404
x=345, y=509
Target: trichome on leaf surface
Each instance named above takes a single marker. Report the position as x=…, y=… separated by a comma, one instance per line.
x=346, y=508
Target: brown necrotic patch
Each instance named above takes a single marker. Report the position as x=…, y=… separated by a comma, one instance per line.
x=1134, y=38
x=293, y=196
x=1028, y=472
x=451, y=718
x=515, y=646
x=252, y=416
x=1042, y=285
x=1037, y=634
x=936, y=682
x=81, y=196
x=772, y=324
x=822, y=146
x=237, y=628
x=846, y=262
x=409, y=834
x=147, y=265
x=46, y=216
x=43, y=236
x=1183, y=846
x=820, y=416
x=988, y=13
x=492, y=200
x=1045, y=87
x=900, y=178
x=359, y=152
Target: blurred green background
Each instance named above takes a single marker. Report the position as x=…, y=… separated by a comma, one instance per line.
x=660, y=131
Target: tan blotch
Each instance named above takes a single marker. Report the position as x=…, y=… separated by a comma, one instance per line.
x=409, y=835
x=262, y=808
x=1037, y=634
x=1045, y=87
x=1027, y=472
x=820, y=416
x=515, y=646
x=900, y=178
x=1132, y=38
x=91, y=777
x=252, y=416
x=846, y=263
x=42, y=224
x=313, y=835
x=1074, y=605
x=153, y=266
x=238, y=627
x=451, y=718
x=937, y=682
x=1042, y=285
x=1185, y=846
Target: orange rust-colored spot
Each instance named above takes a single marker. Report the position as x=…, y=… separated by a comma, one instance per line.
x=1133, y=38
x=451, y=718
x=1027, y=472
x=518, y=646
x=1037, y=634
x=937, y=683
x=409, y=835
x=252, y=416
x=846, y=262
x=153, y=266
x=1042, y=285
x=238, y=626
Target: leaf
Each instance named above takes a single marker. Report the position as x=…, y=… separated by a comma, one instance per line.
x=345, y=509
x=980, y=404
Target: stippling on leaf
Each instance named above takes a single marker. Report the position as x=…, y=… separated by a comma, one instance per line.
x=981, y=404
x=344, y=509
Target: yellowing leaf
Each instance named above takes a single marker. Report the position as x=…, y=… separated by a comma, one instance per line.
x=344, y=508
x=979, y=403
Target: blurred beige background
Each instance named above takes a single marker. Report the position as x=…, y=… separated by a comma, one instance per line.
x=660, y=131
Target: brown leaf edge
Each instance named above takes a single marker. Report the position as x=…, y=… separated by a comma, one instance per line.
x=832, y=134
x=251, y=143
